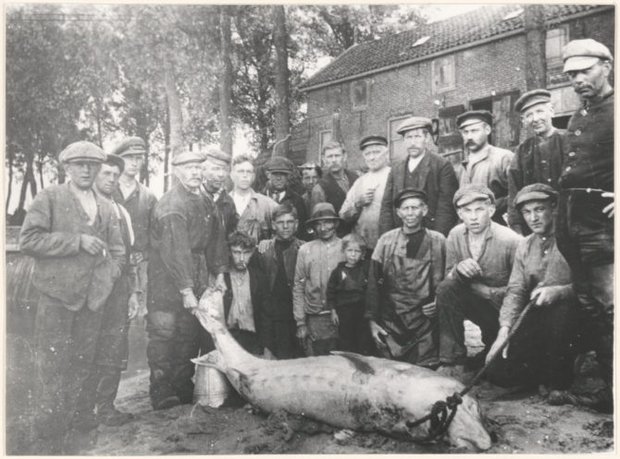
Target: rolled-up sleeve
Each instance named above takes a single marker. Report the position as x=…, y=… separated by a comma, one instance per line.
x=517, y=292
x=299, y=286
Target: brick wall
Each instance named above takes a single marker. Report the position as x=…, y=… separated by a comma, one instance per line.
x=489, y=69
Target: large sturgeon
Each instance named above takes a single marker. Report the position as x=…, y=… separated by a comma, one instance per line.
x=347, y=390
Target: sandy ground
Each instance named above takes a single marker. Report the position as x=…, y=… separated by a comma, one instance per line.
x=519, y=422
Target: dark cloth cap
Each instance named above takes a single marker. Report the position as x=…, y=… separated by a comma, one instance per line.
x=470, y=193
x=188, y=157
x=531, y=98
x=130, y=146
x=323, y=211
x=583, y=54
x=373, y=140
x=115, y=160
x=278, y=164
x=474, y=116
x=82, y=151
x=535, y=192
x=217, y=154
x=410, y=193
x=414, y=122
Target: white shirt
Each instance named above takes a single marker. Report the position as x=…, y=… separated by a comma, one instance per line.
x=241, y=201
x=412, y=163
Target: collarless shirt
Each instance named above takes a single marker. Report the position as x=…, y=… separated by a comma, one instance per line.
x=412, y=163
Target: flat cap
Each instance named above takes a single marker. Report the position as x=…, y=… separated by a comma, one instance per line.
x=217, y=154
x=470, y=193
x=373, y=140
x=410, y=193
x=535, y=192
x=131, y=146
x=115, y=160
x=278, y=164
x=415, y=122
x=474, y=116
x=189, y=157
x=531, y=98
x=82, y=151
x=583, y=54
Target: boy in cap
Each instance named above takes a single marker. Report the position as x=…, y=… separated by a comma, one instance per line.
x=139, y=201
x=479, y=258
x=484, y=164
x=76, y=242
x=585, y=231
x=279, y=173
x=214, y=174
x=423, y=169
x=315, y=262
x=311, y=173
x=538, y=158
x=336, y=181
x=542, y=350
x=188, y=244
x=406, y=267
x=362, y=206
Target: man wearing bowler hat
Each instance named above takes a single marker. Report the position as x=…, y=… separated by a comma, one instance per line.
x=479, y=258
x=216, y=169
x=362, y=206
x=279, y=173
x=139, y=201
x=425, y=170
x=315, y=262
x=74, y=237
x=585, y=231
x=542, y=351
x=538, y=158
x=188, y=245
x=484, y=163
x=406, y=266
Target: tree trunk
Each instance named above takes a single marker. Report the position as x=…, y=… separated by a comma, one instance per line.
x=40, y=170
x=26, y=181
x=225, y=84
x=536, y=62
x=10, y=184
x=282, y=118
x=166, y=150
x=175, y=115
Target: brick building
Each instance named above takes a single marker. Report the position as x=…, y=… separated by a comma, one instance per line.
x=472, y=61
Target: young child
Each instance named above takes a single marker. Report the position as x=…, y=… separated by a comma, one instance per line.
x=346, y=291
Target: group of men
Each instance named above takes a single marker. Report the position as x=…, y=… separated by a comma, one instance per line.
x=106, y=249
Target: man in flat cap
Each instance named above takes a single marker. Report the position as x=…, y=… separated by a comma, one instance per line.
x=542, y=350
x=585, y=232
x=188, y=244
x=406, y=266
x=139, y=201
x=216, y=169
x=362, y=206
x=279, y=173
x=336, y=182
x=479, y=258
x=485, y=164
x=538, y=158
x=76, y=242
x=315, y=261
x=101, y=387
x=422, y=169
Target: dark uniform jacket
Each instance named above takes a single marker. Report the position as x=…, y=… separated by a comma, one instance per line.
x=140, y=205
x=51, y=234
x=437, y=178
x=187, y=242
x=226, y=207
x=268, y=262
x=536, y=161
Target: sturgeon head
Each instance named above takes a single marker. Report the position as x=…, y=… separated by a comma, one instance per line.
x=465, y=431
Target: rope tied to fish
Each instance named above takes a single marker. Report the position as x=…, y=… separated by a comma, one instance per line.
x=443, y=411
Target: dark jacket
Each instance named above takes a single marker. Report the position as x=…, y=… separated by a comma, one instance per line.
x=140, y=205
x=440, y=184
x=257, y=293
x=268, y=262
x=51, y=234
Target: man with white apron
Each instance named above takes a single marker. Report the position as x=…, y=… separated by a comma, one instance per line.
x=406, y=266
